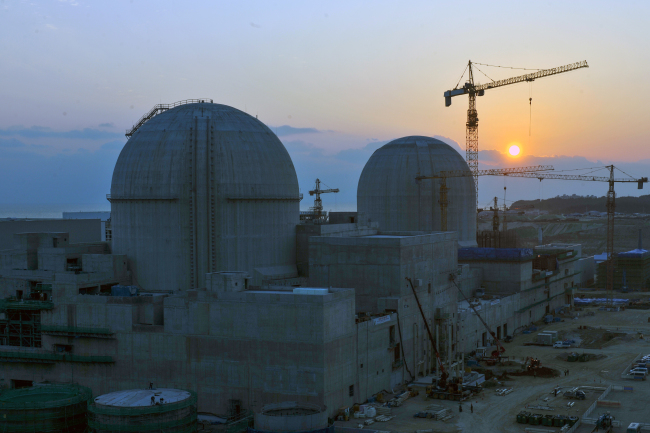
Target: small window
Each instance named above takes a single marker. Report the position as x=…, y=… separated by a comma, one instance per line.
x=55, y=242
x=566, y=272
x=361, y=366
x=392, y=335
x=351, y=392
x=429, y=289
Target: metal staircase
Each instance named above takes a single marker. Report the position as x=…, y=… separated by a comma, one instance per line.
x=157, y=109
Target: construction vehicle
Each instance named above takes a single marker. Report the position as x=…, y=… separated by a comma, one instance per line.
x=575, y=394
x=473, y=90
x=611, y=206
x=532, y=363
x=604, y=423
x=443, y=199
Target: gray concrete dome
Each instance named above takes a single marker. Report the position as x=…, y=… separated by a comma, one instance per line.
x=203, y=188
x=389, y=194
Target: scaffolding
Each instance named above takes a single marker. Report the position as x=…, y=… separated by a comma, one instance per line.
x=631, y=271
x=20, y=322
x=178, y=417
x=45, y=408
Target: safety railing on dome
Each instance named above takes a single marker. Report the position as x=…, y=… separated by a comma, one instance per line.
x=157, y=109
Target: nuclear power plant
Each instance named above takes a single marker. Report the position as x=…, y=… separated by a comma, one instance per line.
x=212, y=285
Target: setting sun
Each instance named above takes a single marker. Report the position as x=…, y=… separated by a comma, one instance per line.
x=514, y=150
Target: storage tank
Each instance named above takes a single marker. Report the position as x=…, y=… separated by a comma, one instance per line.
x=45, y=408
x=201, y=188
x=291, y=416
x=389, y=193
x=144, y=410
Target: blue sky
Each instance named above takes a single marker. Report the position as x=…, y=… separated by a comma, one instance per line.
x=352, y=75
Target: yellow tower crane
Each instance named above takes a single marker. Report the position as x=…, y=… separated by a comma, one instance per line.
x=443, y=175
x=474, y=90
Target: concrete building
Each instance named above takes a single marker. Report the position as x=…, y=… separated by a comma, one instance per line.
x=238, y=302
x=103, y=216
x=80, y=231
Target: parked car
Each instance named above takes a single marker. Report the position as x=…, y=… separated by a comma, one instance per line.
x=562, y=344
x=639, y=370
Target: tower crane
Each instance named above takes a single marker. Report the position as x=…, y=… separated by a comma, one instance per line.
x=317, y=208
x=443, y=175
x=611, y=206
x=474, y=90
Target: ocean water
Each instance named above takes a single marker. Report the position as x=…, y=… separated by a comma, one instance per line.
x=55, y=210
x=50, y=210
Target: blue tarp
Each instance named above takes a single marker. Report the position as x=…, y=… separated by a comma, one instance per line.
x=120, y=290
x=588, y=301
x=634, y=254
x=491, y=254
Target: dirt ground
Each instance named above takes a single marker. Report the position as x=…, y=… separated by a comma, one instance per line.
x=615, y=335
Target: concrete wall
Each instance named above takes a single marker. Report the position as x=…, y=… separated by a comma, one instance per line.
x=306, y=231
x=80, y=230
x=255, y=346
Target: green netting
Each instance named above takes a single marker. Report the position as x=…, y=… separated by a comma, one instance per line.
x=52, y=357
x=76, y=330
x=177, y=417
x=46, y=408
x=15, y=304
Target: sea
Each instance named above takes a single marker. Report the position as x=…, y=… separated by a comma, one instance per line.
x=50, y=210
x=55, y=210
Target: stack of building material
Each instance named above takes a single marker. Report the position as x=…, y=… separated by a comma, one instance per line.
x=439, y=412
x=384, y=418
x=397, y=401
x=503, y=391
x=384, y=410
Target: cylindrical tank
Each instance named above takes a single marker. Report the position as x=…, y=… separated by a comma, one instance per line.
x=144, y=411
x=291, y=416
x=45, y=408
x=203, y=188
x=390, y=194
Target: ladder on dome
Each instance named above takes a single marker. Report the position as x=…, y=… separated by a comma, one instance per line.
x=159, y=108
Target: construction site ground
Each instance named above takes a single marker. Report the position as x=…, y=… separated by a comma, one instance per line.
x=613, y=335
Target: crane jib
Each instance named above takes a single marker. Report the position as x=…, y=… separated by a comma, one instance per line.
x=480, y=89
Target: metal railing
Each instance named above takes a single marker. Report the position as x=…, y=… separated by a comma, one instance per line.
x=159, y=108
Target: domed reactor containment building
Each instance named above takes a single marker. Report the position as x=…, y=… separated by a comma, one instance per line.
x=202, y=188
x=390, y=194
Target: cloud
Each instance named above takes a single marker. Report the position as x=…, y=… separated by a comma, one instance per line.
x=51, y=27
x=107, y=125
x=290, y=130
x=257, y=26
x=45, y=132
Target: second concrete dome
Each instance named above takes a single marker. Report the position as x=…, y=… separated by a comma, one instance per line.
x=389, y=194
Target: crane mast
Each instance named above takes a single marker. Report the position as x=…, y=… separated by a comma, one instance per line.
x=611, y=207
x=473, y=90
x=317, y=208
